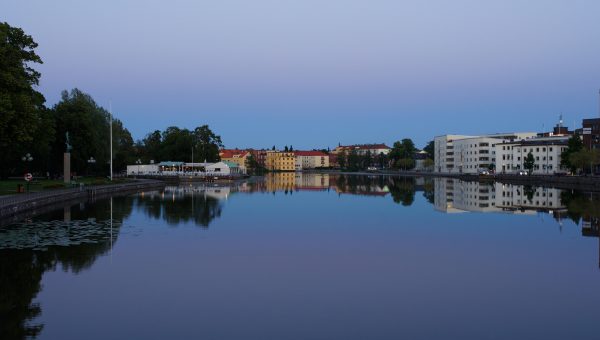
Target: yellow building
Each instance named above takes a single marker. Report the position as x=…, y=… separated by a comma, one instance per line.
x=239, y=157
x=280, y=161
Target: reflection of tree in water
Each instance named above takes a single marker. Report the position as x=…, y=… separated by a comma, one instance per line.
x=429, y=191
x=403, y=190
x=21, y=270
x=199, y=208
x=581, y=205
x=529, y=191
x=361, y=185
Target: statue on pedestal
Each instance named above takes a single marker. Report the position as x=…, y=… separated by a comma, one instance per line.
x=69, y=147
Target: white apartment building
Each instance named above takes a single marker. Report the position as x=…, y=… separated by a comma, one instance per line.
x=546, y=151
x=310, y=160
x=469, y=154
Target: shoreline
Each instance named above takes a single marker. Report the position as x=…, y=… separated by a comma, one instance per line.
x=581, y=183
x=19, y=206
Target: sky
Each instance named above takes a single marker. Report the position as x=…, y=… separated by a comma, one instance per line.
x=316, y=73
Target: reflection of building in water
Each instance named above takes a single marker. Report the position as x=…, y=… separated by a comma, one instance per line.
x=513, y=197
x=453, y=195
x=282, y=181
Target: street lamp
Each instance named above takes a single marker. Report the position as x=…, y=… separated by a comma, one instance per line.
x=91, y=161
x=27, y=159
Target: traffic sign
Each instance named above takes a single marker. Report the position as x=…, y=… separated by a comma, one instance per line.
x=28, y=177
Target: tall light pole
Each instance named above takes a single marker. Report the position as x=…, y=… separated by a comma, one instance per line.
x=111, y=140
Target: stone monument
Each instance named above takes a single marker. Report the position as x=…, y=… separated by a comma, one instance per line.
x=67, y=160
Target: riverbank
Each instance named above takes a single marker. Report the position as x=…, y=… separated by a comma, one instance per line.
x=582, y=183
x=34, y=203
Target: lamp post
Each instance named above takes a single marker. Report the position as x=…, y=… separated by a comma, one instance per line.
x=27, y=159
x=91, y=162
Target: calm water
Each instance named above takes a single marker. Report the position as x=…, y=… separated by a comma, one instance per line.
x=308, y=257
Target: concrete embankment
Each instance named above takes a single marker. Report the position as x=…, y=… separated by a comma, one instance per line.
x=15, y=205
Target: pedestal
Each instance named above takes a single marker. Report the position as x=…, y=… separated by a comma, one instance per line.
x=67, y=167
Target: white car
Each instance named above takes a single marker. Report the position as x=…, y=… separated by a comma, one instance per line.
x=522, y=172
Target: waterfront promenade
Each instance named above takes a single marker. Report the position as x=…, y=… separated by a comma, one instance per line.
x=11, y=205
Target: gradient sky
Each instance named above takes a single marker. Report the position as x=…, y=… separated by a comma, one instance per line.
x=315, y=73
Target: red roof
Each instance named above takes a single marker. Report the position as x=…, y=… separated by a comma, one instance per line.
x=366, y=146
x=310, y=153
x=230, y=153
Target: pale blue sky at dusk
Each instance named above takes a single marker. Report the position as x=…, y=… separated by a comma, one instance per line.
x=315, y=73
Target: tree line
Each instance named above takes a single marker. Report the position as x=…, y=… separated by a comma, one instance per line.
x=29, y=127
x=401, y=156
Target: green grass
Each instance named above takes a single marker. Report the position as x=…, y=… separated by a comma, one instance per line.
x=9, y=186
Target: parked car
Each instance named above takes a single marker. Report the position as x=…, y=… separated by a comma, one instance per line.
x=372, y=168
x=484, y=172
x=522, y=173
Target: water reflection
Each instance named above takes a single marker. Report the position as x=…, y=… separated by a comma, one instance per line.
x=73, y=238
x=27, y=250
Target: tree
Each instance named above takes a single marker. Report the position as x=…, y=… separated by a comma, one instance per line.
x=529, y=163
x=353, y=161
x=382, y=160
x=404, y=149
x=430, y=149
x=341, y=159
x=286, y=149
x=88, y=127
x=405, y=163
x=22, y=107
x=584, y=158
x=208, y=144
x=574, y=145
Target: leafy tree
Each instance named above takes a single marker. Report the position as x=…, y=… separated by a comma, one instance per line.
x=404, y=149
x=430, y=149
x=150, y=147
x=22, y=117
x=405, y=163
x=208, y=143
x=529, y=163
x=88, y=127
x=382, y=160
x=341, y=159
x=176, y=145
x=367, y=159
x=574, y=145
x=353, y=161
x=584, y=158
